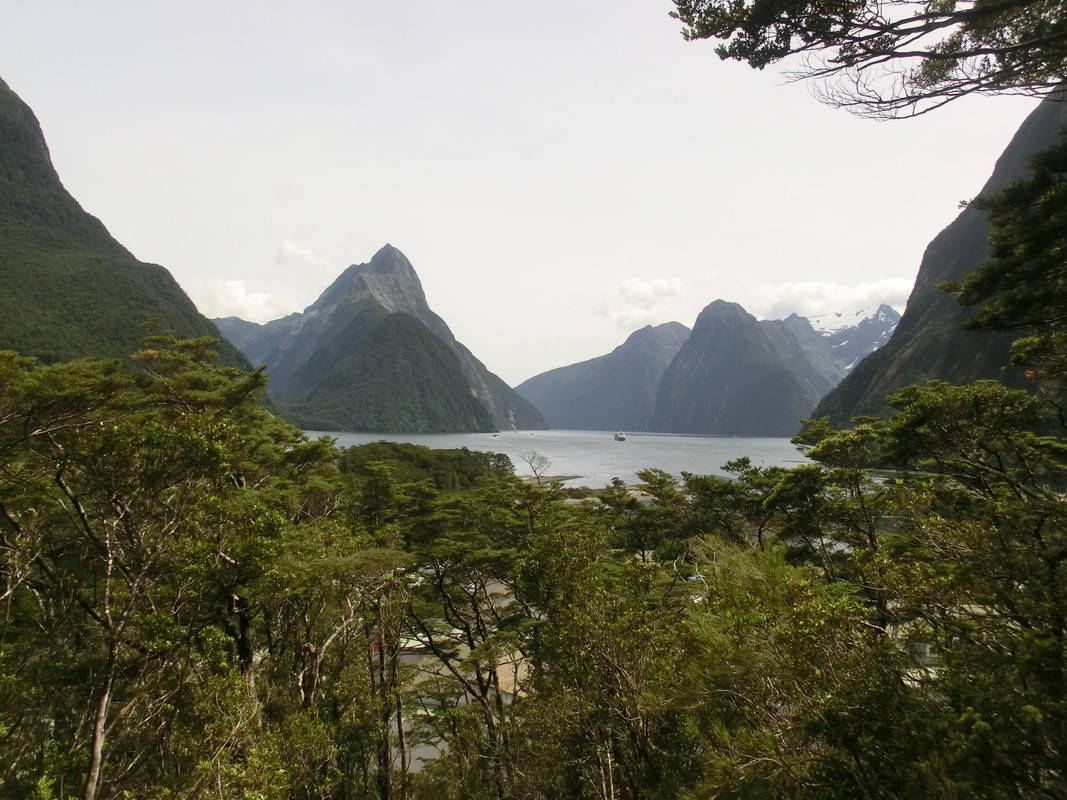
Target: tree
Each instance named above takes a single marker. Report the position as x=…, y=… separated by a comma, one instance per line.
x=794, y=693
x=977, y=568
x=1021, y=286
x=897, y=58
x=538, y=463
x=137, y=517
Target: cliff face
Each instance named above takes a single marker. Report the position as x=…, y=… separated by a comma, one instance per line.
x=928, y=343
x=336, y=367
x=70, y=290
x=610, y=392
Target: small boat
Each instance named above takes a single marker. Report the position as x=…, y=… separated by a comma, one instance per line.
x=620, y=437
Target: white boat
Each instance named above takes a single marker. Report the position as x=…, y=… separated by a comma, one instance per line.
x=620, y=437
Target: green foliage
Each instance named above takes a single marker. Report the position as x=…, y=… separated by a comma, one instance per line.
x=902, y=58
x=142, y=519
x=450, y=470
x=199, y=601
x=1020, y=286
x=70, y=290
x=797, y=697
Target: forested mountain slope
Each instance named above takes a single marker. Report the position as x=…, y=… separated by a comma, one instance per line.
x=370, y=354
x=928, y=342
x=67, y=288
x=736, y=376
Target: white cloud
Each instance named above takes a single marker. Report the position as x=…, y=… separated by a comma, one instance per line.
x=293, y=255
x=635, y=303
x=218, y=297
x=215, y=297
x=821, y=297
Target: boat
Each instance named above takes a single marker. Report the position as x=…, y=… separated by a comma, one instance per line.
x=620, y=437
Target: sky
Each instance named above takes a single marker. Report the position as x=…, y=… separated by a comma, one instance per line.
x=559, y=174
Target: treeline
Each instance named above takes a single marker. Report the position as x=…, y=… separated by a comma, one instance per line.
x=200, y=602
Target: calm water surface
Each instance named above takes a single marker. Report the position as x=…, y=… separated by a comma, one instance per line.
x=596, y=457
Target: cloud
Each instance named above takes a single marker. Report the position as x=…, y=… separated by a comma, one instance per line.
x=219, y=297
x=821, y=297
x=293, y=255
x=215, y=297
x=635, y=303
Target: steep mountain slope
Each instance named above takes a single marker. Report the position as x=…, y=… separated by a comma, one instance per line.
x=69, y=289
x=808, y=354
x=335, y=366
x=613, y=391
x=735, y=376
x=928, y=342
x=392, y=375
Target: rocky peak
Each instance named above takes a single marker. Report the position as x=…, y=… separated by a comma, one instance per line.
x=388, y=278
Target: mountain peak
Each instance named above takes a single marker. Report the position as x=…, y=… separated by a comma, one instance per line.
x=832, y=322
x=374, y=328
x=388, y=278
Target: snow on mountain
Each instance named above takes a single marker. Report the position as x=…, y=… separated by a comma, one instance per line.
x=836, y=321
x=856, y=333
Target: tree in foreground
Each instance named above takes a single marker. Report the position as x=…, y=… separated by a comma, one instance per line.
x=897, y=58
x=1022, y=286
x=179, y=584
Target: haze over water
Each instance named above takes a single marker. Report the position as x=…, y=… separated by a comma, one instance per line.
x=596, y=457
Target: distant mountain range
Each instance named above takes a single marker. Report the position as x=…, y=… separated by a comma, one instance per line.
x=370, y=355
x=854, y=335
x=69, y=289
x=731, y=375
x=613, y=391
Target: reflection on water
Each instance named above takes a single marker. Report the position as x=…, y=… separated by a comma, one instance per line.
x=596, y=457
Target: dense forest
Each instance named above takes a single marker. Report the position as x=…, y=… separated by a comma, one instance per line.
x=198, y=601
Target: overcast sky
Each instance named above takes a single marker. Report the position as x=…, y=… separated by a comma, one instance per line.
x=559, y=173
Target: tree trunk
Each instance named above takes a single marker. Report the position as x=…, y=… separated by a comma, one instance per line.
x=96, y=748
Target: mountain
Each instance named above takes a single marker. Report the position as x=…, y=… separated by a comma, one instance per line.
x=610, y=392
x=69, y=289
x=369, y=354
x=853, y=335
x=735, y=376
x=928, y=342
x=620, y=390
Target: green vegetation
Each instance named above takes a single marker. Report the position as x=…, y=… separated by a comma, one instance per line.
x=449, y=470
x=69, y=289
x=1020, y=286
x=890, y=59
x=199, y=601
x=384, y=372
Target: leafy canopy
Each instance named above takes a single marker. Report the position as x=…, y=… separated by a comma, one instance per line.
x=1021, y=286
x=897, y=58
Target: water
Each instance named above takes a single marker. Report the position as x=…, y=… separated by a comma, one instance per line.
x=595, y=457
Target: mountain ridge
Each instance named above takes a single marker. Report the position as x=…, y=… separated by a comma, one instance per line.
x=612, y=391
x=626, y=389
x=310, y=354
x=71, y=290
x=929, y=342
